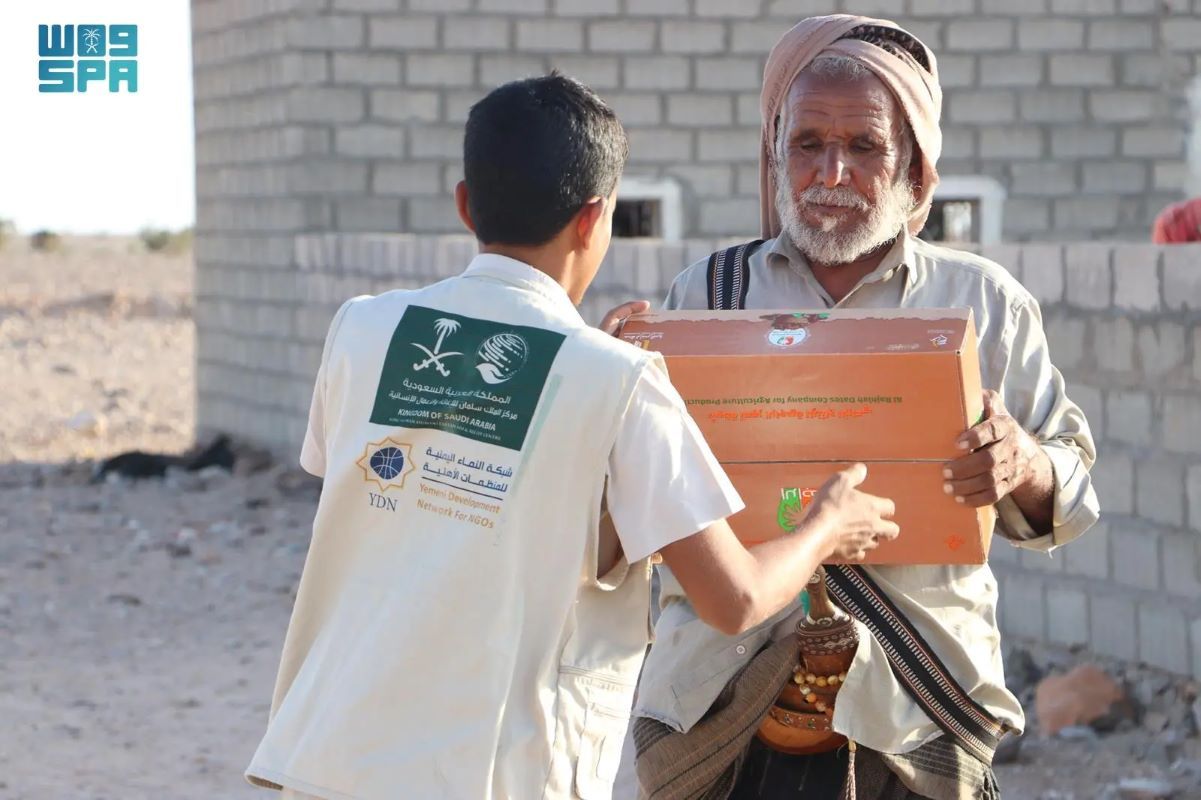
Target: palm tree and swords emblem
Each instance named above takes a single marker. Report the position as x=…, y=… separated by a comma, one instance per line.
x=443, y=327
x=501, y=355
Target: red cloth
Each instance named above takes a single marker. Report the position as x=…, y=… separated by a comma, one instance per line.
x=1178, y=223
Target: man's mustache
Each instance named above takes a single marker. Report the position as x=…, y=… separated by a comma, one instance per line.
x=841, y=196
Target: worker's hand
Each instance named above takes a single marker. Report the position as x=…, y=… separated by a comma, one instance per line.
x=612, y=320
x=1000, y=457
x=856, y=521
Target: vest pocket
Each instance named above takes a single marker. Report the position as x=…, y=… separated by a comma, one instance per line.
x=600, y=752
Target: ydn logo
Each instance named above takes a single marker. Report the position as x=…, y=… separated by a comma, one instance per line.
x=72, y=56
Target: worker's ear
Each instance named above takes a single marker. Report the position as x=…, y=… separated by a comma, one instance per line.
x=591, y=222
x=462, y=206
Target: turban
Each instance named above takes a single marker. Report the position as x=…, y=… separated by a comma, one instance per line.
x=914, y=85
x=1178, y=223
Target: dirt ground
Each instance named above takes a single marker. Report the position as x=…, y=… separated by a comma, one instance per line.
x=141, y=623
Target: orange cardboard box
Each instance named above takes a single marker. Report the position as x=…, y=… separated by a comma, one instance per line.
x=787, y=398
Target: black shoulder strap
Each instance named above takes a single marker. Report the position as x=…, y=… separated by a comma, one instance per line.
x=919, y=669
x=729, y=276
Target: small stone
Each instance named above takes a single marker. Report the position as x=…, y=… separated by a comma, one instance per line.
x=1077, y=733
x=1145, y=789
x=1155, y=721
x=87, y=423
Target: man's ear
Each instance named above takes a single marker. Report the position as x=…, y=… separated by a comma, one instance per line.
x=915, y=172
x=588, y=222
x=462, y=206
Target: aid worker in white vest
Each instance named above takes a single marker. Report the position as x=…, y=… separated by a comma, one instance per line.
x=463, y=627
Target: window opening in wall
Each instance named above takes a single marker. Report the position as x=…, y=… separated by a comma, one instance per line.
x=648, y=207
x=967, y=209
x=633, y=218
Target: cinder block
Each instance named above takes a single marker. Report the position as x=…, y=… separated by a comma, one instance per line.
x=1153, y=141
x=748, y=110
x=1160, y=491
x=367, y=5
x=1113, y=342
x=621, y=36
x=374, y=214
x=1087, y=213
x=1169, y=176
x=636, y=108
x=1085, y=7
x=1180, y=560
x=726, y=8
x=1075, y=69
x=436, y=141
x=1115, y=177
x=980, y=35
x=1042, y=272
x=694, y=110
x=940, y=8
x=1136, y=277
x=329, y=177
x=982, y=106
x=1089, y=276
x=733, y=217
x=1011, y=142
x=1066, y=338
x=1182, y=423
x=660, y=145
x=327, y=32
x=514, y=6
x=715, y=180
x=655, y=72
x=370, y=141
x=1014, y=7
x=586, y=8
x=323, y=104
x=729, y=145
x=550, y=35
x=1128, y=417
x=959, y=143
x=658, y=8
x=1136, y=558
x=1181, y=277
x=1113, y=480
x=439, y=70
x=760, y=36
x=1149, y=70
x=1194, y=498
x=1052, y=105
x=469, y=32
x=1162, y=349
x=1179, y=32
x=1026, y=217
x=1067, y=615
x=1121, y=34
x=1043, y=179
x=728, y=74
x=598, y=72
x=434, y=215
x=404, y=105
x=1055, y=35
x=504, y=67
x=1021, y=69
x=1163, y=637
x=956, y=71
x=1074, y=142
x=692, y=37
x=1022, y=609
x=1088, y=555
x=405, y=179
x=1112, y=627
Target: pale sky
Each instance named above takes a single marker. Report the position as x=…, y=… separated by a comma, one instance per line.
x=97, y=162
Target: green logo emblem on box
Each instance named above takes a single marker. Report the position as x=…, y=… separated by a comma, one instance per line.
x=472, y=377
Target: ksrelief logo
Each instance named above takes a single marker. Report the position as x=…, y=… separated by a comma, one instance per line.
x=501, y=357
x=72, y=56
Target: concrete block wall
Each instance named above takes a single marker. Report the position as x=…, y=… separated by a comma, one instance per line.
x=1124, y=326
x=1078, y=109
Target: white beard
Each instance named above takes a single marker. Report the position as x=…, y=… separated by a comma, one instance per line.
x=823, y=244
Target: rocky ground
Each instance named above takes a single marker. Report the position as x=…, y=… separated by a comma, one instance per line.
x=141, y=622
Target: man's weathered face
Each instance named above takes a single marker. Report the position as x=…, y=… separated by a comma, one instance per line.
x=842, y=170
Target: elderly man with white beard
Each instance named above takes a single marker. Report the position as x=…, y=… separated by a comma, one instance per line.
x=850, y=142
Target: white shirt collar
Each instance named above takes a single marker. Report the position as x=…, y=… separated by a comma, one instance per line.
x=520, y=274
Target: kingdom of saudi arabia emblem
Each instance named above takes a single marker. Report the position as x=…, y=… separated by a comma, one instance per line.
x=386, y=463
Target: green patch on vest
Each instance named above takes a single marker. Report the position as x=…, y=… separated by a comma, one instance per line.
x=472, y=377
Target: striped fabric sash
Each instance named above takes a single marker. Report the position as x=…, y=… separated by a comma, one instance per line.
x=925, y=678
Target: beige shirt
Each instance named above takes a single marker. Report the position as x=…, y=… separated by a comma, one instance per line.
x=953, y=607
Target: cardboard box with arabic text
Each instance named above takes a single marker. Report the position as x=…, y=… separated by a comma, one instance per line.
x=787, y=398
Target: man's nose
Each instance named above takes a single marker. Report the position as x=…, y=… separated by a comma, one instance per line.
x=833, y=170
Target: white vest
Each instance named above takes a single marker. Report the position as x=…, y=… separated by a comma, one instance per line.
x=450, y=638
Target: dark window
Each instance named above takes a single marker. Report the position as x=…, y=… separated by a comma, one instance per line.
x=953, y=221
x=635, y=218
